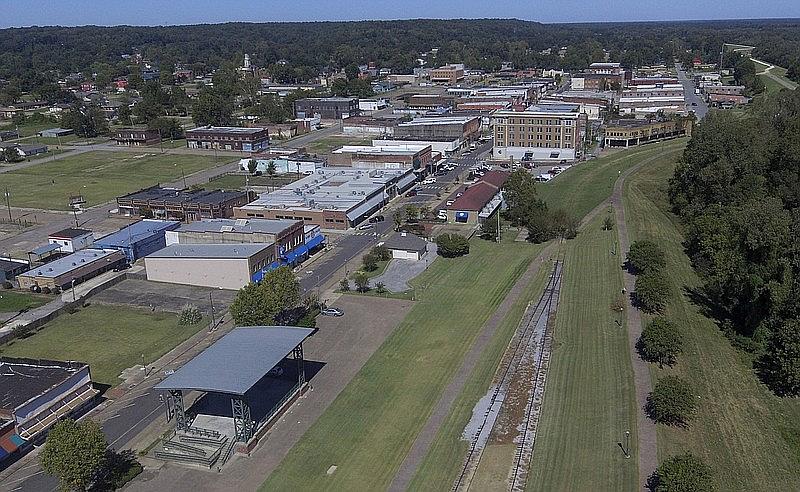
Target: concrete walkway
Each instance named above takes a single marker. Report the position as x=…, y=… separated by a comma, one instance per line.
x=445, y=404
x=399, y=272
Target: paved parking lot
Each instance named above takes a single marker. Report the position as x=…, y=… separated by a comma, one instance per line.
x=164, y=297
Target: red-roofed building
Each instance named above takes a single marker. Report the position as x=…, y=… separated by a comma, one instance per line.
x=480, y=200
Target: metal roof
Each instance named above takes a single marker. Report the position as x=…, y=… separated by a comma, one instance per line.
x=45, y=248
x=238, y=360
x=243, y=226
x=69, y=263
x=22, y=380
x=138, y=231
x=70, y=233
x=406, y=241
x=219, y=251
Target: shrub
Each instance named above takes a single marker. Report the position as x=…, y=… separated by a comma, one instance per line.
x=779, y=367
x=380, y=288
x=8, y=285
x=382, y=253
x=660, y=341
x=46, y=290
x=646, y=257
x=370, y=262
x=652, y=291
x=361, y=281
x=671, y=402
x=608, y=223
x=190, y=315
x=681, y=473
x=344, y=285
x=452, y=245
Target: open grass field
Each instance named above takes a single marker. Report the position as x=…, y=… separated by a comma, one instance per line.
x=446, y=455
x=584, y=186
x=11, y=301
x=98, y=176
x=590, y=400
x=369, y=428
x=327, y=144
x=108, y=338
x=238, y=181
x=749, y=437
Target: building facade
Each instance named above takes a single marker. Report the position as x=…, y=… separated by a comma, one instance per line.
x=440, y=128
x=181, y=205
x=329, y=108
x=77, y=267
x=71, y=240
x=405, y=156
x=447, y=74
x=628, y=133
x=549, y=132
x=135, y=137
x=228, y=138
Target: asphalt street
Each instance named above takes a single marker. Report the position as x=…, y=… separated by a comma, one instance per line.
x=693, y=101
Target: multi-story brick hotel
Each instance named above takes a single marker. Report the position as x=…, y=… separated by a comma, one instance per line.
x=548, y=132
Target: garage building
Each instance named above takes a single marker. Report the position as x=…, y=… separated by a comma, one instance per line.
x=406, y=246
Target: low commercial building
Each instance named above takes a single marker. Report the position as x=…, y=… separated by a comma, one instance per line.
x=365, y=125
x=605, y=68
x=480, y=200
x=71, y=240
x=405, y=156
x=726, y=101
x=644, y=105
x=442, y=147
x=370, y=105
x=34, y=395
x=284, y=163
x=24, y=150
x=628, y=133
x=6, y=135
x=11, y=267
x=328, y=108
x=182, y=205
x=285, y=234
x=56, y=132
x=223, y=266
x=75, y=268
x=138, y=239
x=228, y=138
x=447, y=74
x=440, y=128
x=595, y=82
x=428, y=102
x=728, y=90
x=332, y=198
x=406, y=246
x=136, y=137
x=547, y=133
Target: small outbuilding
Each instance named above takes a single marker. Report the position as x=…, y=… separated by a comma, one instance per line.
x=405, y=246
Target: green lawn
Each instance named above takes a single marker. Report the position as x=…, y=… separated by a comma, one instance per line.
x=446, y=455
x=327, y=144
x=13, y=301
x=590, y=399
x=584, y=186
x=108, y=338
x=238, y=181
x=369, y=428
x=750, y=437
x=98, y=176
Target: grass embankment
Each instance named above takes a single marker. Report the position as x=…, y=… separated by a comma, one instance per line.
x=448, y=450
x=588, y=184
x=369, y=428
x=98, y=176
x=11, y=301
x=749, y=437
x=108, y=338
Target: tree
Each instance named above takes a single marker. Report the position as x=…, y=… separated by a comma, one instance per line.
x=249, y=309
x=281, y=289
x=344, y=285
x=86, y=121
x=521, y=198
x=380, y=288
x=370, y=262
x=252, y=166
x=271, y=172
x=660, y=341
x=11, y=154
x=780, y=363
x=682, y=473
x=166, y=127
x=361, y=281
x=452, y=245
x=124, y=113
x=646, y=256
x=608, y=223
x=651, y=291
x=212, y=108
x=397, y=219
x=412, y=213
x=671, y=402
x=382, y=253
x=563, y=224
x=489, y=228
x=75, y=452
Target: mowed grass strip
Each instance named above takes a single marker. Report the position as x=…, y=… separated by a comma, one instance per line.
x=590, y=399
x=98, y=176
x=446, y=455
x=749, y=437
x=108, y=338
x=586, y=185
x=11, y=301
x=369, y=428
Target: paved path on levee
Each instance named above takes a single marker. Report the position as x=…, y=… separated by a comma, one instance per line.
x=443, y=407
x=647, y=448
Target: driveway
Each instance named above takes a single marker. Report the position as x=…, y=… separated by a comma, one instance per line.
x=399, y=272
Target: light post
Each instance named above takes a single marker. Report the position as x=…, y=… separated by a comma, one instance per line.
x=73, y=290
x=211, y=300
x=627, y=444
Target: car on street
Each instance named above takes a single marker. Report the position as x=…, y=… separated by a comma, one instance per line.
x=412, y=192
x=364, y=227
x=448, y=202
x=376, y=219
x=332, y=312
x=459, y=194
x=543, y=178
x=442, y=214
x=275, y=372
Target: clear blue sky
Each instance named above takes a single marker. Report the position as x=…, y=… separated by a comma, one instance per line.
x=18, y=13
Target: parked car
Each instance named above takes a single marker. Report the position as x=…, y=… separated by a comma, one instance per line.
x=459, y=194
x=412, y=192
x=448, y=202
x=275, y=372
x=364, y=227
x=428, y=181
x=543, y=178
x=376, y=219
x=442, y=215
x=332, y=312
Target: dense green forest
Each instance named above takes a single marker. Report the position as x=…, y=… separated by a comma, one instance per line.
x=738, y=192
x=30, y=54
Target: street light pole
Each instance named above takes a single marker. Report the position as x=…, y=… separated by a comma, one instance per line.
x=8, y=203
x=211, y=300
x=627, y=444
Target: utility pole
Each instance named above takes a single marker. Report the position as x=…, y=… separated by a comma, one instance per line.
x=184, y=178
x=8, y=203
x=211, y=300
x=498, y=225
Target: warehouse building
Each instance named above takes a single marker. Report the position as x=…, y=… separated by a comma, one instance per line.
x=328, y=108
x=75, y=268
x=223, y=266
x=331, y=198
x=228, y=138
x=34, y=395
x=183, y=205
x=138, y=239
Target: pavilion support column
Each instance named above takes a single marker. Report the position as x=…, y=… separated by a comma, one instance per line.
x=242, y=423
x=301, y=364
x=179, y=410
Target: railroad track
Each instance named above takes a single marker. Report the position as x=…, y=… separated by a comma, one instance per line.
x=529, y=345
